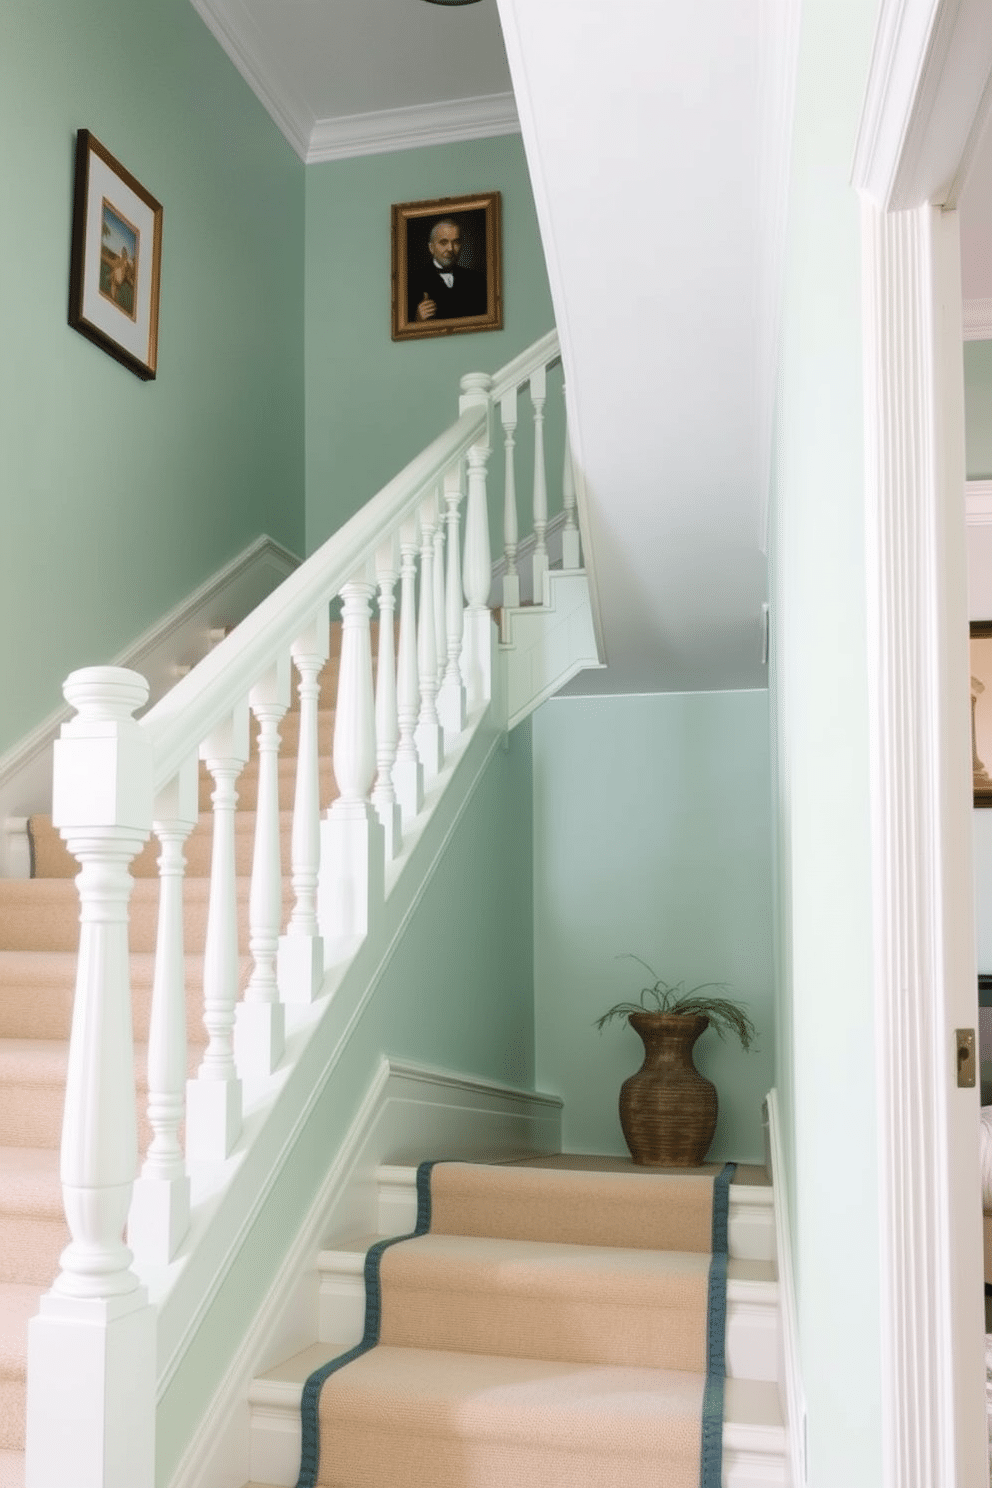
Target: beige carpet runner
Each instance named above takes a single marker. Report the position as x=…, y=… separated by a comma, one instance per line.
x=541, y=1328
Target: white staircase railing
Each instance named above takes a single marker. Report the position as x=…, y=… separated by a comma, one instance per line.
x=92, y=1349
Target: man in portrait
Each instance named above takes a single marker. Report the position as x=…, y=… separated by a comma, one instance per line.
x=440, y=289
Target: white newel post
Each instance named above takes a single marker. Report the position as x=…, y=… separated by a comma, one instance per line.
x=429, y=735
x=477, y=648
x=300, y=965
x=213, y=1099
x=511, y=536
x=386, y=719
x=352, y=860
x=91, y=1349
x=451, y=697
x=260, y=1029
x=408, y=772
x=538, y=393
x=159, y=1216
x=571, y=550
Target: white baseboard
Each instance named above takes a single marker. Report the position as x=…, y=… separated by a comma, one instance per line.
x=794, y=1399
x=180, y=639
x=407, y=1109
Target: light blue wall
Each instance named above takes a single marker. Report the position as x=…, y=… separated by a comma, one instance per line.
x=118, y=497
x=825, y=1070
x=978, y=409
x=652, y=835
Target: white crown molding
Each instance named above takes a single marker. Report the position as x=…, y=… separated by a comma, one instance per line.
x=230, y=24
x=978, y=503
x=978, y=320
x=409, y=128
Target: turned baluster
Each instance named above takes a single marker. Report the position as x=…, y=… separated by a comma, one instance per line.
x=511, y=578
x=92, y=1343
x=408, y=772
x=538, y=393
x=451, y=695
x=386, y=717
x=352, y=882
x=259, y=1035
x=300, y=963
x=213, y=1099
x=159, y=1215
x=571, y=551
x=440, y=632
x=477, y=570
x=429, y=736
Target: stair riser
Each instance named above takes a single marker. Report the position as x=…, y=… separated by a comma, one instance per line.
x=31, y=1114
x=13, y=1409
x=30, y=1249
x=27, y=1013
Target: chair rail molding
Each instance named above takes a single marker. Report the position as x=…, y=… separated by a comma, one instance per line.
x=926, y=99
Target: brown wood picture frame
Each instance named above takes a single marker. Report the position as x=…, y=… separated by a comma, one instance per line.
x=459, y=287
x=980, y=657
x=116, y=261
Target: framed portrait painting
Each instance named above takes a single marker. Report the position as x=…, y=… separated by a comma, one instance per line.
x=116, y=259
x=447, y=272
x=980, y=650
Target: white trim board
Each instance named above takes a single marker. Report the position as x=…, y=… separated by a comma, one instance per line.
x=410, y=128
x=790, y=1377
x=978, y=503
x=977, y=318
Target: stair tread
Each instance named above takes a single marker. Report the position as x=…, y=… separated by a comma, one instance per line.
x=31, y=1184
x=18, y=1304
x=12, y=1469
x=47, y=1059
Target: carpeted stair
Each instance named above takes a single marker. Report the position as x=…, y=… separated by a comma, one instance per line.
x=546, y=1326
x=39, y=936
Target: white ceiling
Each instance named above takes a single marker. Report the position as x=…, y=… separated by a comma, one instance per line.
x=657, y=140
x=975, y=209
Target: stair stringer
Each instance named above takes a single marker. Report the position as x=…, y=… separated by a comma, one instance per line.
x=407, y=1110
x=248, y=1213
x=546, y=645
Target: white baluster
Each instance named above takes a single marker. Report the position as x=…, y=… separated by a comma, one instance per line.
x=300, y=964
x=571, y=552
x=477, y=650
x=511, y=578
x=429, y=735
x=91, y=1349
x=159, y=1216
x=213, y=1099
x=538, y=393
x=352, y=878
x=259, y=1030
x=408, y=772
x=386, y=720
x=451, y=696
x=440, y=632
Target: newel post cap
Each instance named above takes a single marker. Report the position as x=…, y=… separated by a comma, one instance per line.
x=103, y=758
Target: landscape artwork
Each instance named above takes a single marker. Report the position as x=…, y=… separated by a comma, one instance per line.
x=119, y=260
x=980, y=653
x=446, y=269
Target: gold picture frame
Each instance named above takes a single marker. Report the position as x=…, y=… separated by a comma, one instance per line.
x=116, y=260
x=458, y=288
x=980, y=657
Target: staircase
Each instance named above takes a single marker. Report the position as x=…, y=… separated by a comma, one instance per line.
x=265, y=932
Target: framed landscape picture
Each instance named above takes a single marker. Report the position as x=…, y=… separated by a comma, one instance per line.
x=116, y=259
x=447, y=272
x=981, y=710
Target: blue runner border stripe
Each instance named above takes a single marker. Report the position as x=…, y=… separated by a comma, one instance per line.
x=310, y=1453
x=711, y=1458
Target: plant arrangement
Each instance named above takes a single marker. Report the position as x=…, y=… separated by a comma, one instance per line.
x=724, y=1014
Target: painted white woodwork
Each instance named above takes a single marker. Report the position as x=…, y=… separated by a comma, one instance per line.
x=94, y=1337
x=408, y=772
x=477, y=564
x=539, y=497
x=977, y=315
x=440, y=635
x=429, y=734
x=300, y=959
x=511, y=535
x=159, y=1213
x=213, y=1098
x=571, y=550
x=260, y=1026
x=387, y=731
x=352, y=881
x=789, y=1371
x=451, y=696
x=927, y=102
x=547, y=645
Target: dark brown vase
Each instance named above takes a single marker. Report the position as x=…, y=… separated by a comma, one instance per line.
x=668, y=1109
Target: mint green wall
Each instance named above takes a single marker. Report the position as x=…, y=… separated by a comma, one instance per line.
x=118, y=497
x=825, y=1070
x=372, y=403
x=652, y=835
x=457, y=994
x=978, y=409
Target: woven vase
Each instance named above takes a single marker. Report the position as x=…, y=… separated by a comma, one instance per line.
x=668, y=1109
